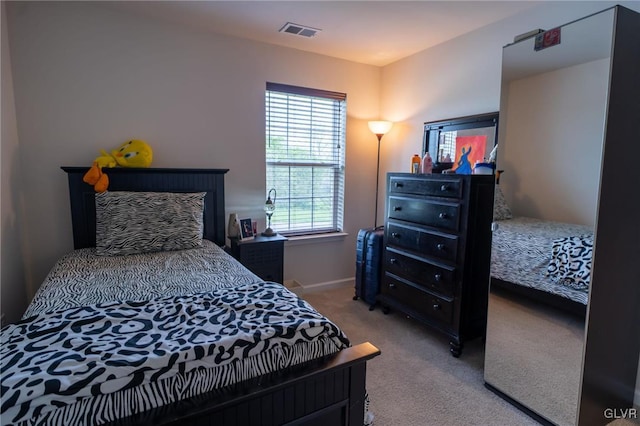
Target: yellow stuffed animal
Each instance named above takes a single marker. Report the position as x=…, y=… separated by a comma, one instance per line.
x=133, y=153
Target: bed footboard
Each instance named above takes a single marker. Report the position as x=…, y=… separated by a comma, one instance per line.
x=558, y=302
x=327, y=392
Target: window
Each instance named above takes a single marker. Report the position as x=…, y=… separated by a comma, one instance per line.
x=305, y=146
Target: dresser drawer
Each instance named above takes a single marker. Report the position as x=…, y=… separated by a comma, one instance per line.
x=442, y=246
x=437, y=278
x=450, y=188
x=426, y=212
x=418, y=300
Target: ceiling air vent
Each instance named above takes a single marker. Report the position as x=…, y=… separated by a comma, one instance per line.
x=298, y=29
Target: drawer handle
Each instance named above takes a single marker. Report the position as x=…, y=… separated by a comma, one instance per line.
x=436, y=306
x=444, y=188
x=443, y=215
x=440, y=247
x=437, y=277
x=393, y=260
x=395, y=235
x=397, y=208
x=392, y=285
x=398, y=185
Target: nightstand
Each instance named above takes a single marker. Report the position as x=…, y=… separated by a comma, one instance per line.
x=264, y=256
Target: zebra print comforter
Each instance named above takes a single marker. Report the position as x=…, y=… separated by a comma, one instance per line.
x=521, y=252
x=81, y=277
x=94, y=363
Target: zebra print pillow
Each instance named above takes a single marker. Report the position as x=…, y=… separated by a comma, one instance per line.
x=501, y=210
x=144, y=222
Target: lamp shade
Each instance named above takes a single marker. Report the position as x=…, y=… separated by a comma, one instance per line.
x=269, y=209
x=380, y=127
x=270, y=205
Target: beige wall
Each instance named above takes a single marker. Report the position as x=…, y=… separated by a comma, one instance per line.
x=88, y=77
x=556, y=118
x=457, y=78
x=13, y=295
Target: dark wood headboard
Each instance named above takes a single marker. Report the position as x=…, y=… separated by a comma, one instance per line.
x=82, y=196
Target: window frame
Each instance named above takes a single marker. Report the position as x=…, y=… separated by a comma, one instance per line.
x=336, y=165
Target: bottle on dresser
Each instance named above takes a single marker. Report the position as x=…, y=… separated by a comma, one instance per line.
x=427, y=164
x=415, y=164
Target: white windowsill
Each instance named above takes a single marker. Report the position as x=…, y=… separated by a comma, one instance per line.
x=318, y=238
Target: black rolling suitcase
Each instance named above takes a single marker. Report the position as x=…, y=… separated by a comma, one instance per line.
x=368, y=264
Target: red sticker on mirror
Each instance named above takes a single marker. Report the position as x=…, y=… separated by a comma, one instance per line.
x=547, y=39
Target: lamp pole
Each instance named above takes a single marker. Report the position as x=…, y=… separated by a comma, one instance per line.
x=375, y=220
x=378, y=128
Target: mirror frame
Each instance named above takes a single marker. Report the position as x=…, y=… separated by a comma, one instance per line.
x=433, y=129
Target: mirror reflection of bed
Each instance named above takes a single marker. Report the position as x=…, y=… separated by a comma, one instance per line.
x=550, y=148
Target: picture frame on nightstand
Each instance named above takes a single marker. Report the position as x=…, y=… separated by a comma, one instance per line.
x=246, y=229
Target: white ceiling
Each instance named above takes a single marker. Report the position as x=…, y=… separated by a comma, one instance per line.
x=370, y=32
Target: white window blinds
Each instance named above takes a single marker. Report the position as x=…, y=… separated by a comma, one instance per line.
x=305, y=147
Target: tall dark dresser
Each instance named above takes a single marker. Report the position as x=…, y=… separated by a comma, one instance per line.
x=438, y=251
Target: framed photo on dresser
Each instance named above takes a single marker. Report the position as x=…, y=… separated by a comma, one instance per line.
x=246, y=229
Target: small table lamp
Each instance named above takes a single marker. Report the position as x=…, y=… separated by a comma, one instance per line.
x=269, y=208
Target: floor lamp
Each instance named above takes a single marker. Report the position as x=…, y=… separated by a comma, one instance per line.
x=379, y=128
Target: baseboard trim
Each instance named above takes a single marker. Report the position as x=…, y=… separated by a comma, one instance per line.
x=294, y=286
x=346, y=282
x=520, y=406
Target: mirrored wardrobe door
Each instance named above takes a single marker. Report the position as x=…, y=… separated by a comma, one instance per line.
x=551, y=132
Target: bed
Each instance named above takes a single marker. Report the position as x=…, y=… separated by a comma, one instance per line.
x=123, y=332
x=544, y=260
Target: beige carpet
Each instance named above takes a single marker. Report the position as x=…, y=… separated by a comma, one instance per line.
x=536, y=355
x=416, y=382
